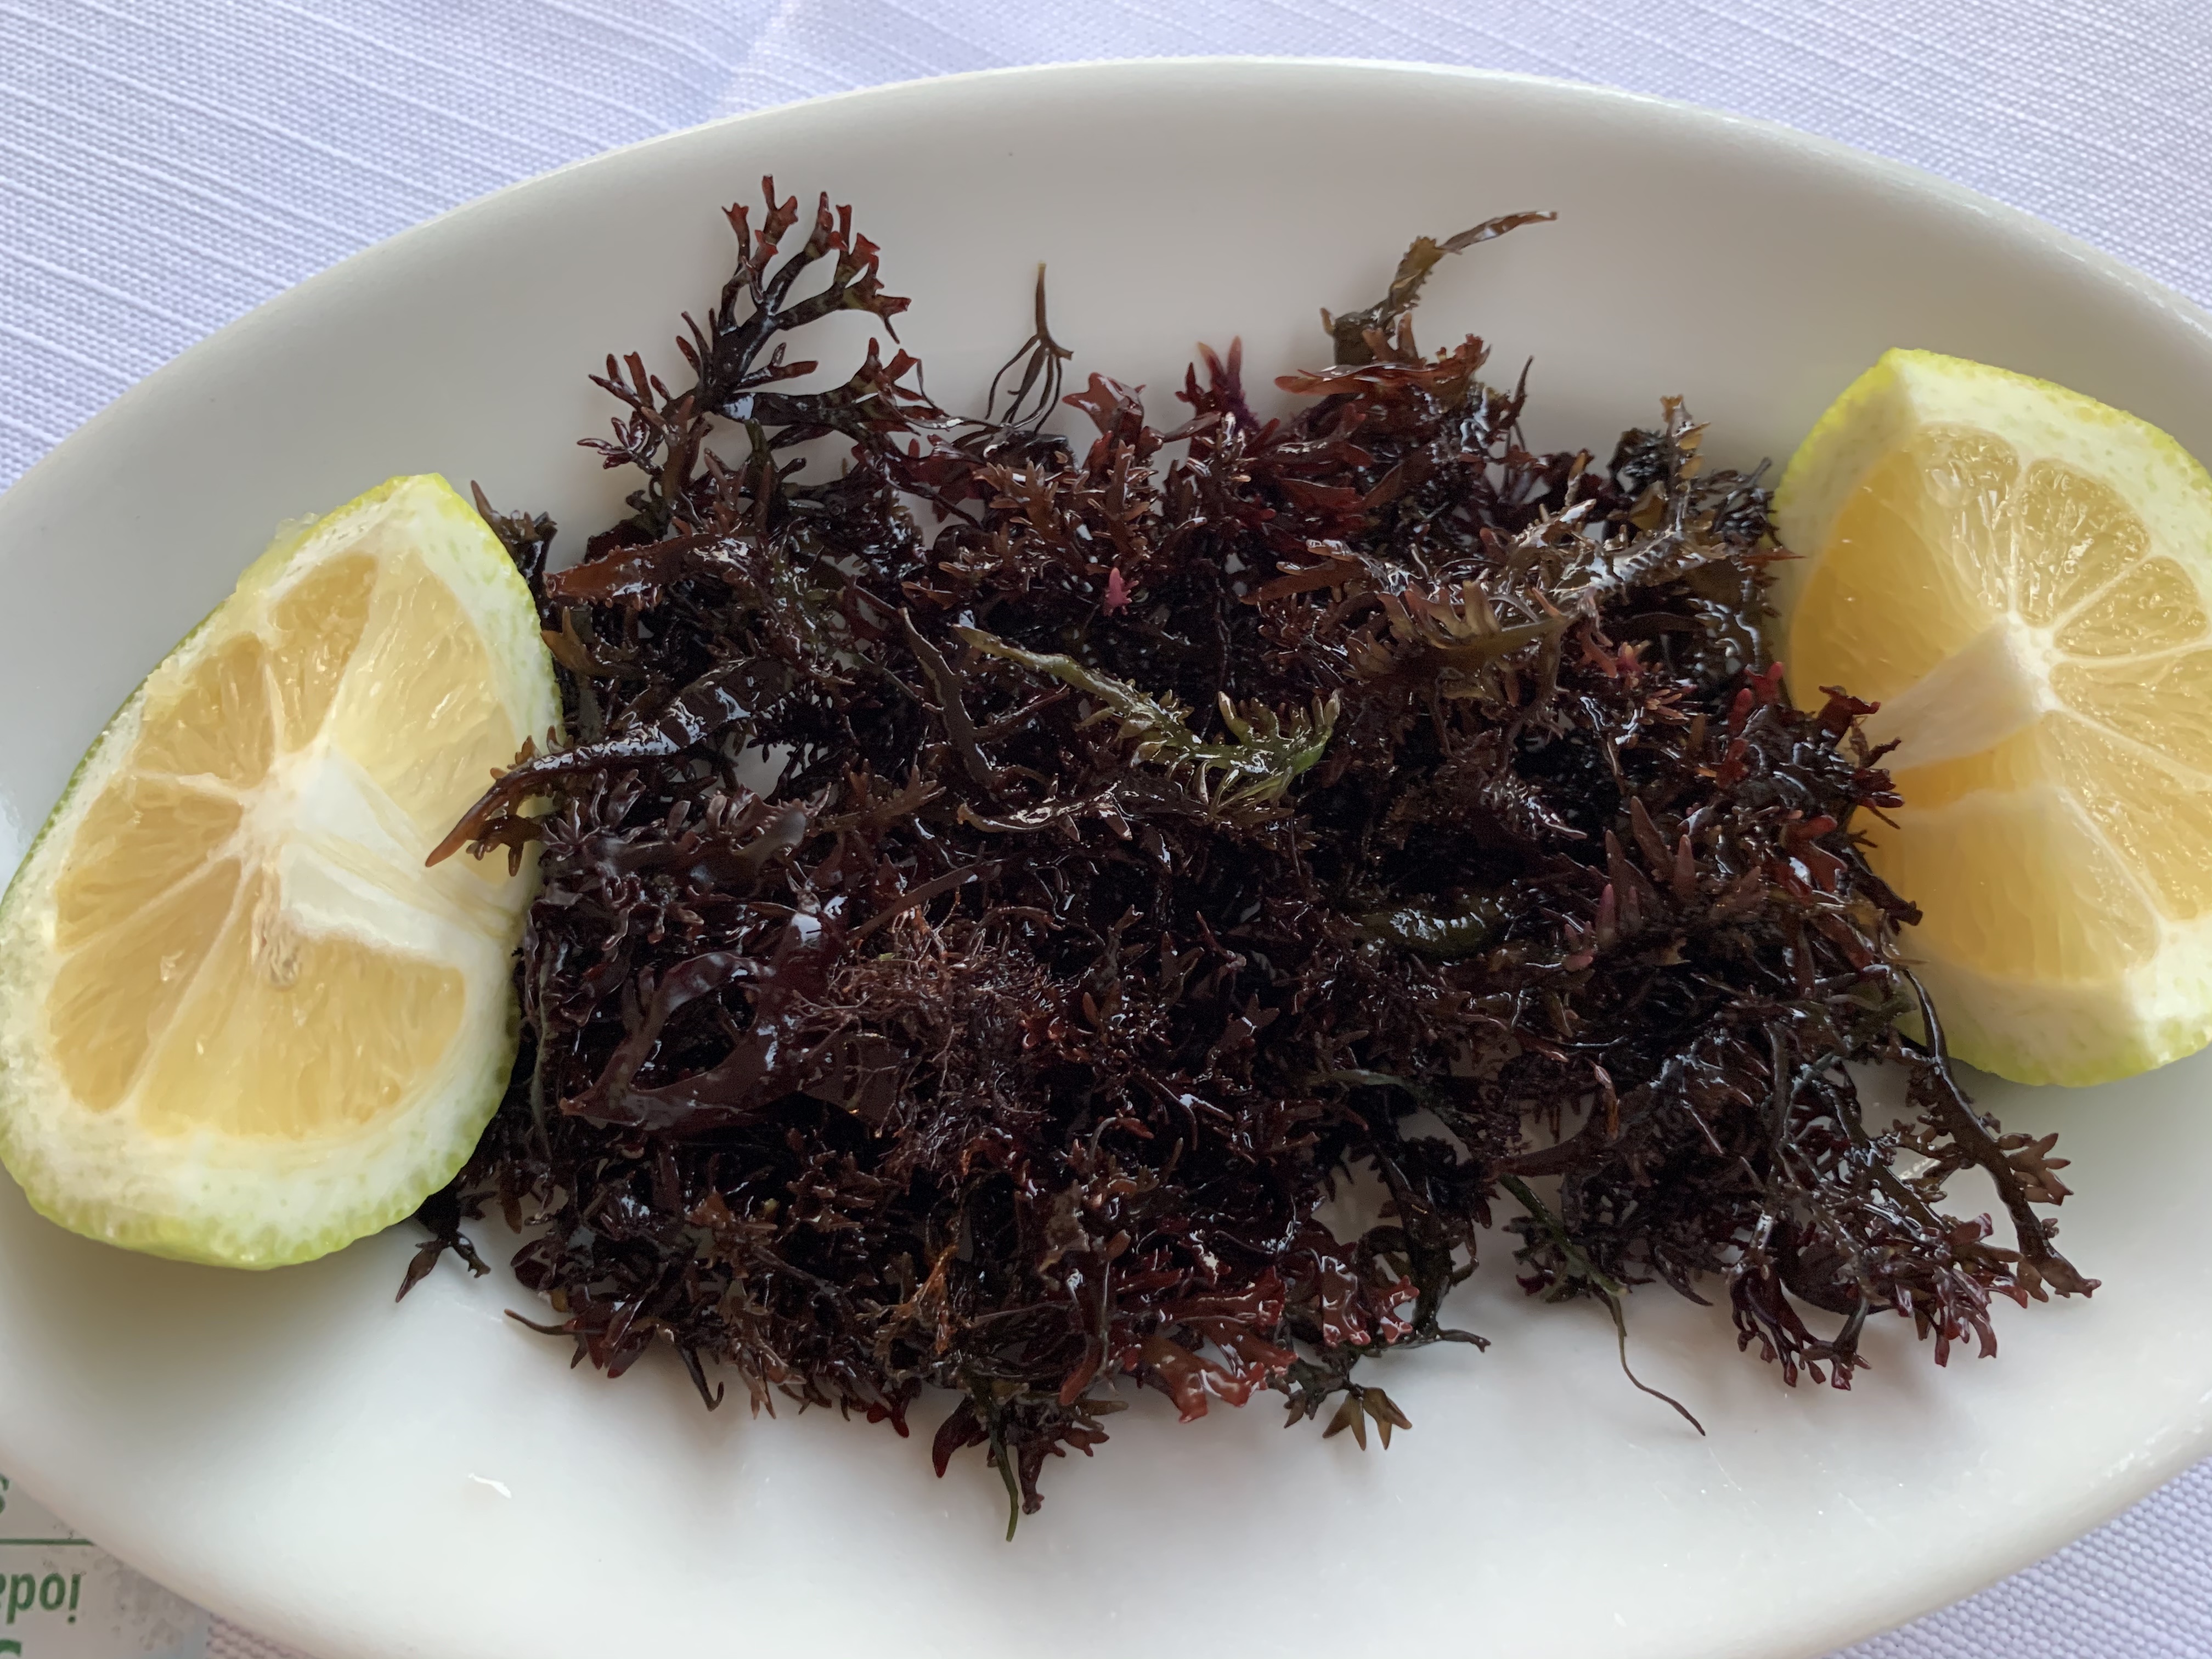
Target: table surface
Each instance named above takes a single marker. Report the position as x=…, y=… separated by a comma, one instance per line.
x=166, y=165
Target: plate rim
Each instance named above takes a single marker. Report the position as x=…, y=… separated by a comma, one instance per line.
x=1868, y=163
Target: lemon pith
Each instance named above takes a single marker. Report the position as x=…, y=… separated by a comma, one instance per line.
x=240, y=1022
x=2022, y=577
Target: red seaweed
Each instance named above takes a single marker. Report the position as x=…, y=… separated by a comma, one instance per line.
x=999, y=892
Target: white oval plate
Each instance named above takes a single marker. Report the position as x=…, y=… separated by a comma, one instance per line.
x=367, y=1481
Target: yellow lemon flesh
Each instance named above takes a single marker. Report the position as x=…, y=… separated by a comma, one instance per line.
x=240, y=1021
x=2022, y=577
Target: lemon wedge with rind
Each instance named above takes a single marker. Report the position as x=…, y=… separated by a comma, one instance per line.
x=240, y=1021
x=2022, y=577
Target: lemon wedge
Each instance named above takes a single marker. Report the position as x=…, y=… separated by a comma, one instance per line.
x=240, y=1022
x=2022, y=577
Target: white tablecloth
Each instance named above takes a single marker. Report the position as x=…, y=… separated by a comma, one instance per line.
x=167, y=164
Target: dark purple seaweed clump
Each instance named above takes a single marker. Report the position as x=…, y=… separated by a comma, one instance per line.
x=996, y=891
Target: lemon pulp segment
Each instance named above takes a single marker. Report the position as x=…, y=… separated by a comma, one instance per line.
x=243, y=1021
x=2020, y=576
